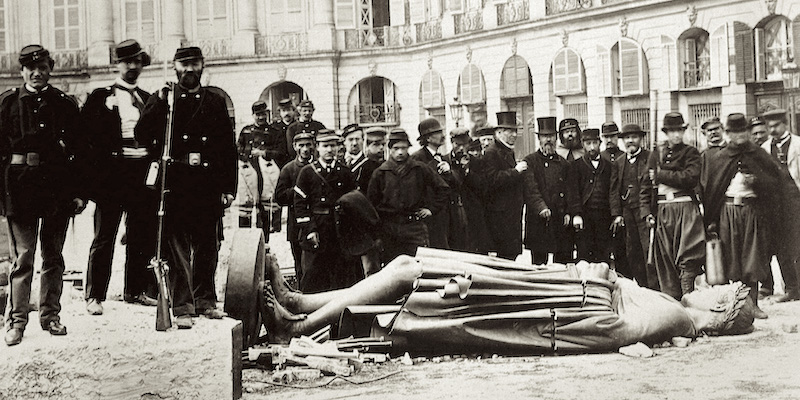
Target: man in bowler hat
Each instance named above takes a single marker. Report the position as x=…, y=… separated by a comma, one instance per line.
x=118, y=167
x=547, y=220
x=505, y=189
x=431, y=138
x=43, y=156
x=201, y=180
x=673, y=176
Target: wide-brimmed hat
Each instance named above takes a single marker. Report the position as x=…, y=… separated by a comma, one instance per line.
x=351, y=129
x=673, y=121
x=507, y=120
x=429, y=126
x=547, y=126
x=590, y=134
x=631, y=129
x=188, y=53
x=32, y=53
x=128, y=49
x=609, y=129
x=736, y=122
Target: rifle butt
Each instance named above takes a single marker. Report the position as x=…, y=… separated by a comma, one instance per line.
x=163, y=320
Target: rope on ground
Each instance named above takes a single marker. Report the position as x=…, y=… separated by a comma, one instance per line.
x=329, y=381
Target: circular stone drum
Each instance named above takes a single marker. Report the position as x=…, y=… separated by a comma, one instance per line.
x=244, y=291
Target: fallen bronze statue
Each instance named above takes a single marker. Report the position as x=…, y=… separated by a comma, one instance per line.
x=458, y=303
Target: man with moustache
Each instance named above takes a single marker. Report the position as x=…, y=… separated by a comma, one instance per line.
x=569, y=134
x=547, y=220
x=431, y=138
x=486, y=137
x=712, y=130
x=626, y=176
x=285, y=192
x=758, y=130
x=504, y=188
x=119, y=164
x=286, y=118
x=609, y=132
x=353, y=137
x=785, y=149
x=43, y=162
x=201, y=181
x=404, y=192
x=374, y=149
x=674, y=174
x=741, y=206
x=587, y=196
x=319, y=185
x=305, y=123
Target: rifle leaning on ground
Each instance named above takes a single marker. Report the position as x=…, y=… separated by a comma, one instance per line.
x=158, y=264
x=654, y=152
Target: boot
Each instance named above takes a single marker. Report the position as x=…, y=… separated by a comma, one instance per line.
x=758, y=313
x=687, y=282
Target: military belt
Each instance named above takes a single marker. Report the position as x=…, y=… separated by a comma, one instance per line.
x=400, y=218
x=30, y=159
x=740, y=201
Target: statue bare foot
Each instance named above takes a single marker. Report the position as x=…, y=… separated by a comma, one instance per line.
x=281, y=324
x=281, y=289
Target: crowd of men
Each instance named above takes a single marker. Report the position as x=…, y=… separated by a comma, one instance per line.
x=359, y=198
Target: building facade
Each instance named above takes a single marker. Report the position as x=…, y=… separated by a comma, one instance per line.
x=394, y=62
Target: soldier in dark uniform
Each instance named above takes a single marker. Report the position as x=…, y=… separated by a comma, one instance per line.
x=569, y=139
x=587, y=195
x=457, y=230
x=609, y=133
x=504, y=188
x=119, y=164
x=712, y=130
x=547, y=223
x=758, y=130
x=431, y=137
x=374, y=149
x=404, y=192
x=201, y=181
x=319, y=185
x=353, y=137
x=285, y=190
x=674, y=174
x=303, y=124
x=626, y=176
x=263, y=148
x=41, y=154
x=286, y=118
x=473, y=194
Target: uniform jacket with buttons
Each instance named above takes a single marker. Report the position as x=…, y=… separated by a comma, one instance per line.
x=316, y=193
x=612, y=155
x=47, y=124
x=621, y=195
x=546, y=188
x=362, y=170
x=584, y=180
x=284, y=194
x=298, y=126
x=266, y=138
x=678, y=167
x=204, y=155
x=103, y=129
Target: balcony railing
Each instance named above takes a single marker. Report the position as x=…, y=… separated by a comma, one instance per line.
x=378, y=114
x=385, y=36
x=215, y=48
x=282, y=44
x=9, y=62
x=429, y=30
x=513, y=11
x=553, y=7
x=469, y=21
x=70, y=60
x=696, y=74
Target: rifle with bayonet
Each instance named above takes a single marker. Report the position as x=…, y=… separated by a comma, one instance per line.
x=158, y=264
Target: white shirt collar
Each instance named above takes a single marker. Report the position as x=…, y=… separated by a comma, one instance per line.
x=124, y=84
x=32, y=90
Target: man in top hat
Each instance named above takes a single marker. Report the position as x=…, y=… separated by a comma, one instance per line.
x=286, y=117
x=569, y=135
x=201, y=181
x=305, y=123
x=431, y=138
x=284, y=193
x=673, y=176
x=119, y=164
x=457, y=231
x=758, y=130
x=319, y=185
x=404, y=192
x=627, y=174
x=587, y=195
x=785, y=148
x=547, y=220
x=262, y=148
x=504, y=188
x=42, y=157
x=609, y=133
x=741, y=206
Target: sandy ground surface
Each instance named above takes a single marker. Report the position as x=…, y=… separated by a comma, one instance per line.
x=103, y=355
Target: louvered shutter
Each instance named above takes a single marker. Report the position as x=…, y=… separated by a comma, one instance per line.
x=669, y=64
x=603, y=74
x=744, y=57
x=719, y=57
x=417, y=10
x=760, y=53
x=630, y=66
x=574, y=76
x=345, y=14
x=560, y=73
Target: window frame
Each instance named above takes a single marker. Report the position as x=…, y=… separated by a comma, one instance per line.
x=79, y=27
x=138, y=35
x=228, y=20
x=579, y=73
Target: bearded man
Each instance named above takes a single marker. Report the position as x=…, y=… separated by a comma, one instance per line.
x=569, y=134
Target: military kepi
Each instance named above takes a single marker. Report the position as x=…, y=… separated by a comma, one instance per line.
x=351, y=129
x=32, y=53
x=188, y=53
x=259, y=107
x=398, y=135
x=327, y=135
x=128, y=49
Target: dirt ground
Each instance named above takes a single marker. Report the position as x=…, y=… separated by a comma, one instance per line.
x=760, y=365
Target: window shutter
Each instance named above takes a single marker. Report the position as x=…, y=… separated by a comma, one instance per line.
x=796, y=38
x=629, y=68
x=744, y=57
x=437, y=97
x=397, y=12
x=719, y=57
x=464, y=80
x=523, y=75
x=603, y=75
x=669, y=64
x=477, y=85
x=417, y=11
x=435, y=10
x=425, y=90
x=574, y=79
x=345, y=14
x=761, y=59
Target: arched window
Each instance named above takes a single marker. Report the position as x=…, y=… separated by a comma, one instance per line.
x=695, y=58
x=372, y=103
x=515, y=80
x=471, y=87
x=773, y=43
x=628, y=73
x=568, y=75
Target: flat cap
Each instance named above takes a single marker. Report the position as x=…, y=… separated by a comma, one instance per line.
x=375, y=131
x=351, y=129
x=306, y=103
x=327, y=135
